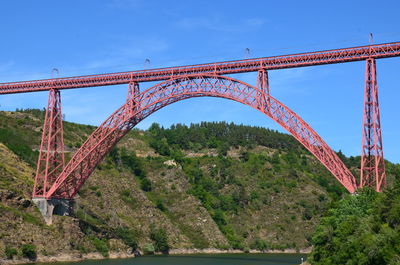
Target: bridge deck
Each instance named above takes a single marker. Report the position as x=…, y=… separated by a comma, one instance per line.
x=220, y=68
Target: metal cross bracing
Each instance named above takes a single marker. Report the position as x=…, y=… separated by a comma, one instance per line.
x=263, y=86
x=372, y=162
x=221, y=68
x=51, y=154
x=147, y=102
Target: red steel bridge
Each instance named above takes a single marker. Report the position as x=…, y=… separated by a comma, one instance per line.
x=57, y=180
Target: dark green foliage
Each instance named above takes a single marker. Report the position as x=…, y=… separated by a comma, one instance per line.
x=100, y=245
x=127, y=235
x=160, y=205
x=158, y=142
x=135, y=164
x=244, y=155
x=16, y=140
x=128, y=159
x=159, y=237
x=220, y=135
x=219, y=218
x=29, y=251
x=145, y=184
x=81, y=248
x=10, y=252
x=259, y=244
x=360, y=229
x=208, y=185
x=195, y=235
x=206, y=189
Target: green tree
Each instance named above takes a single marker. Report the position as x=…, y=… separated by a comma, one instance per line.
x=360, y=229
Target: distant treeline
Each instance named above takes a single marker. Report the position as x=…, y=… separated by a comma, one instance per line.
x=220, y=135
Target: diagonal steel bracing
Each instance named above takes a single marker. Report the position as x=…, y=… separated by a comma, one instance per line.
x=143, y=104
x=372, y=162
x=51, y=154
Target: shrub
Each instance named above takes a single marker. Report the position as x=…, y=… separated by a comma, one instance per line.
x=101, y=246
x=29, y=251
x=259, y=244
x=219, y=218
x=128, y=236
x=10, y=252
x=145, y=184
x=159, y=236
x=148, y=249
x=160, y=205
x=126, y=193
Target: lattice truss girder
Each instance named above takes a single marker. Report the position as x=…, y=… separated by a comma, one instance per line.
x=51, y=153
x=220, y=68
x=141, y=105
x=372, y=161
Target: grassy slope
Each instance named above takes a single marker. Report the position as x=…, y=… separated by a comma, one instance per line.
x=268, y=198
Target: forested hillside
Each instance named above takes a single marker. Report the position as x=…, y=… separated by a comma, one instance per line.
x=208, y=185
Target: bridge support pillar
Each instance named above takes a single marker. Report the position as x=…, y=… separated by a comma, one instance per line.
x=131, y=99
x=133, y=91
x=48, y=207
x=372, y=163
x=51, y=153
x=263, y=85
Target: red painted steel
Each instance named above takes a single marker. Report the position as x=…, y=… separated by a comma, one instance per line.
x=263, y=85
x=133, y=90
x=147, y=102
x=51, y=156
x=221, y=68
x=372, y=162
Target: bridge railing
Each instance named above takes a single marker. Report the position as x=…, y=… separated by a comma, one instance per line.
x=228, y=67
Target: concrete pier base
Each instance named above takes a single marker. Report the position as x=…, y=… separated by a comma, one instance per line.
x=53, y=206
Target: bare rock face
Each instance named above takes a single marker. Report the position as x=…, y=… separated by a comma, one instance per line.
x=170, y=163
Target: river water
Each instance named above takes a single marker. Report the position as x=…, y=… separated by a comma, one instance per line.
x=203, y=259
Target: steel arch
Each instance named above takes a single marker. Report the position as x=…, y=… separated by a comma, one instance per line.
x=140, y=105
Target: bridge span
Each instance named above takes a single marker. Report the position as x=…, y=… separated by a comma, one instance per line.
x=57, y=182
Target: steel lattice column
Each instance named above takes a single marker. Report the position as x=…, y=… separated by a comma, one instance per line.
x=51, y=157
x=372, y=162
x=133, y=91
x=263, y=85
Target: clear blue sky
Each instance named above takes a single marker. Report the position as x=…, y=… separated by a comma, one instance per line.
x=88, y=37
